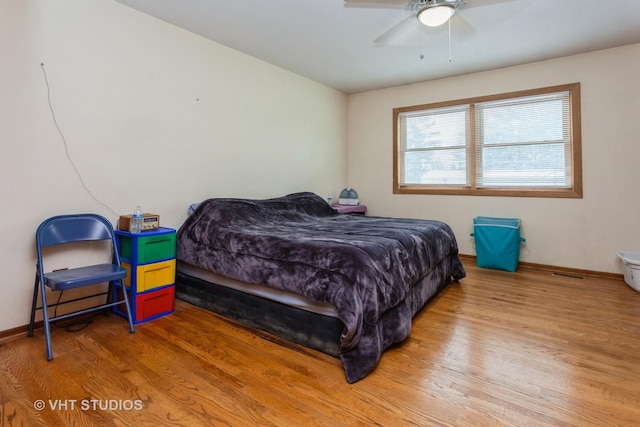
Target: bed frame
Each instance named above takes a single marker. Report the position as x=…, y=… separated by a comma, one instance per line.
x=314, y=330
x=311, y=328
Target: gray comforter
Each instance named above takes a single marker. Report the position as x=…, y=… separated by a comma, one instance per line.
x=378, y=272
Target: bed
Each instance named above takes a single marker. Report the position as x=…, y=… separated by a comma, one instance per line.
x=348, y=285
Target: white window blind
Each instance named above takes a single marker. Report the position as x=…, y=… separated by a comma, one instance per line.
x=524, y=142
x=434, y=147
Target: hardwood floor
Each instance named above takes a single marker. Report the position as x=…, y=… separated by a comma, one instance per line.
x=524, y=349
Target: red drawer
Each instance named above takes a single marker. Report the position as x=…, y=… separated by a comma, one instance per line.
x=149, y=305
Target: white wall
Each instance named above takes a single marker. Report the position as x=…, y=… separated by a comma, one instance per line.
x=582, y=234
x=152, y=115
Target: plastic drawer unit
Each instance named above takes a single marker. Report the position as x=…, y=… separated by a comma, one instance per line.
x=150, y=260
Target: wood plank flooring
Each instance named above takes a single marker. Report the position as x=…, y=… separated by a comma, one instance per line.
x=523, y=349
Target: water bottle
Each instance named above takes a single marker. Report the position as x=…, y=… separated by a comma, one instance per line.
x=136, y=220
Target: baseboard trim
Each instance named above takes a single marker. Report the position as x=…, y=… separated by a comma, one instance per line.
x=22, y=330
x=19, y=331
x=561, y=270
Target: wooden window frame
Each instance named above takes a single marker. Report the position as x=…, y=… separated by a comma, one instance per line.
x=574, y=191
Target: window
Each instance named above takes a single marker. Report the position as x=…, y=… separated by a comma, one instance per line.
x=517, y=144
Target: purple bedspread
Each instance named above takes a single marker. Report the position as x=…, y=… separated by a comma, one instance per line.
x=378, y=272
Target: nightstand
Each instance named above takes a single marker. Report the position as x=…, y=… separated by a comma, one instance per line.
x=350, y=209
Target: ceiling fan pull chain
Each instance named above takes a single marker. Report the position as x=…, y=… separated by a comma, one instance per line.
x=449, y=40
x=421, y=46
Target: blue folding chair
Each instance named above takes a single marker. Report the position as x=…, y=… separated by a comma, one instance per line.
x=64, y=229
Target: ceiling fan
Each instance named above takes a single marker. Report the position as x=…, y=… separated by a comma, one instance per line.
x=431, y=13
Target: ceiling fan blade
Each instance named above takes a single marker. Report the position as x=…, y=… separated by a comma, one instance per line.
x=461, y=27
x=376, y=4
x=396, y=30
x=467, y=4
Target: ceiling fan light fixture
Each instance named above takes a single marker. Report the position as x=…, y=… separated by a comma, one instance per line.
x=434, y=16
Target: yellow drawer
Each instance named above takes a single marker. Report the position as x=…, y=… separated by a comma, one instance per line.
x=150, y=276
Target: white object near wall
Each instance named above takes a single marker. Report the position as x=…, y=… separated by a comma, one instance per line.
x=631, y=268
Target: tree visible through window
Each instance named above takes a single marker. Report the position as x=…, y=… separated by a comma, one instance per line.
x=518, y=144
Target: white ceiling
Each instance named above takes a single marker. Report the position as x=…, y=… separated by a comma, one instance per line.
x=336, y=45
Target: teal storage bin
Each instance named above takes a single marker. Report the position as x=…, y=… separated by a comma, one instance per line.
x=497, y=242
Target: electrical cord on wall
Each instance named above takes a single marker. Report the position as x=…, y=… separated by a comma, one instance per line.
x=66, y=146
